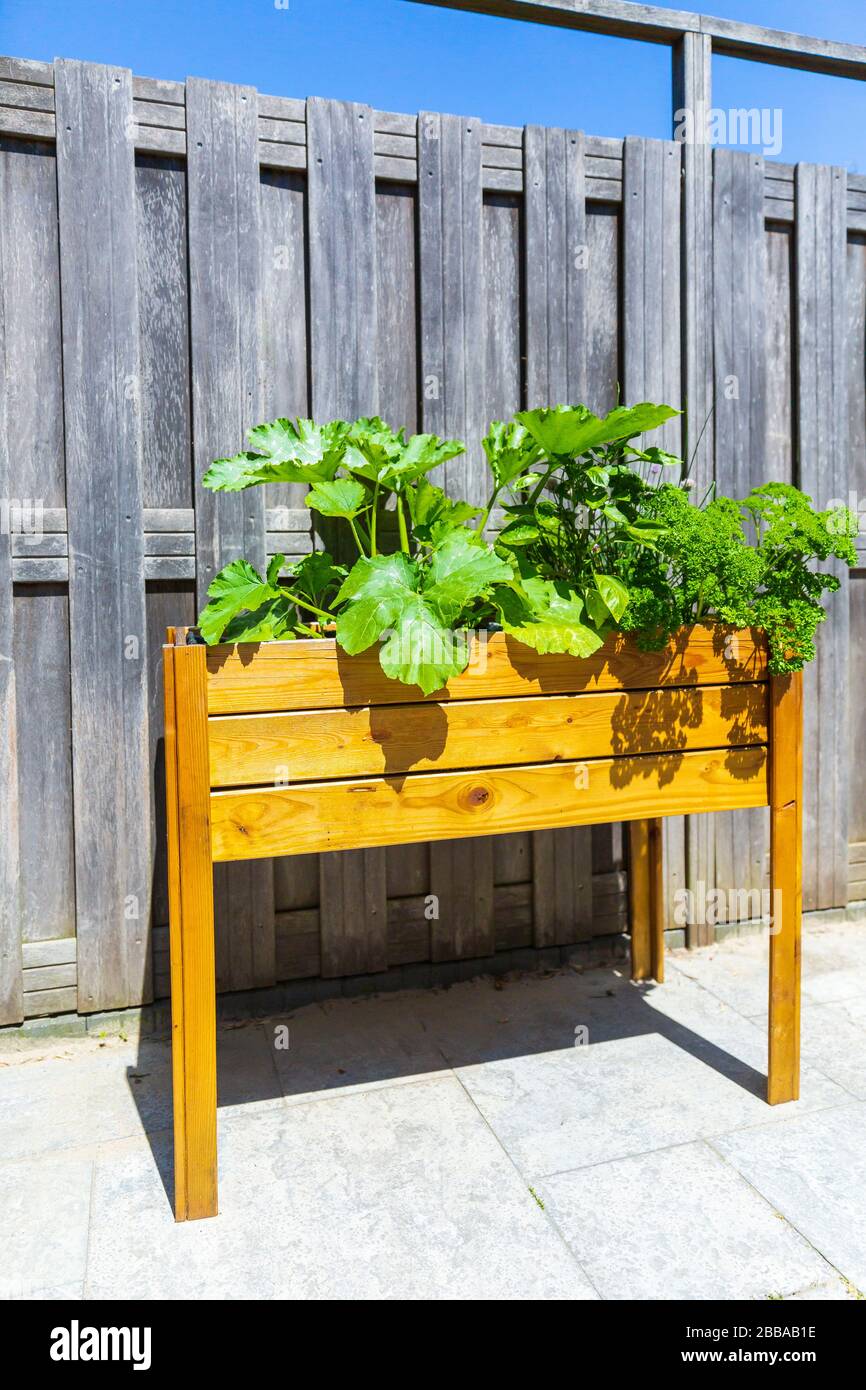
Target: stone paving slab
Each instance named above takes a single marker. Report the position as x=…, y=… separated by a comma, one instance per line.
x=44, y=1218
x=678, y=1223
x=812, y=1168
x=358, y=1197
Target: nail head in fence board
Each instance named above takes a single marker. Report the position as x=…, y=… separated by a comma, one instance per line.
x=341, y=212
x=453, y=395
x=224, y=250
x=101, y=374
x=823, y=473
x=556, y=265
x=692, y=57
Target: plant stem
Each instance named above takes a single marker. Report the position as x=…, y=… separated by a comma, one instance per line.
x=401, y=522
x=485, y=515
x=361, y=551
x=311, y=608
x=542, y=484
x=373, y=518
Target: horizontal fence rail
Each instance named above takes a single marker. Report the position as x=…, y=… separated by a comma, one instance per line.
x=441, y=272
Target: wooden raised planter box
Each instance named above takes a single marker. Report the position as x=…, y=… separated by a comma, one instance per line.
x=294, y=748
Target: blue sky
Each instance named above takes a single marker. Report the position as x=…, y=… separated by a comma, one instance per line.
x=401, y=56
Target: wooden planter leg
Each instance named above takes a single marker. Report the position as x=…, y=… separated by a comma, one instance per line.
x=786, y=850
x=193, y=983
x=645, y=900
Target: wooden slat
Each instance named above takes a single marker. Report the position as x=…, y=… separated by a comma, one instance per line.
x=191, y=900
x=27, y=96
x=353, y=914
x=646, y=899
x=224, y=232
x=452, y=391
x=786, y=854
x=29, y=125
x=315, y=674
x=163, y=295
x=440, y=805
x=341, y=210
x=693, y=93
x=246, y=750
x=452, y=288
x=728, y=852
x=562, y=886
x=556, y=266
x=652, y=343
x=55, y=951
x=11, y=1003
x=101, y=378
x=822, y=430
x=342, y=218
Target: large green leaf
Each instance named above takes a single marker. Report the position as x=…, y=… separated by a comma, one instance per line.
x=613, y=593
x=375, y=592
x=547, y=616
x=234, y=589
x=342, y=497
x=274, y=621
x=315, y=573
x=422, y=650
x=566, y=431
x=433, y=514
x=511, y=451
x=302, y=452
x=461, y=569
x=378, y=453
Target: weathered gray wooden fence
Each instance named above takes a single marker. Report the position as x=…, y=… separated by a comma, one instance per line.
x=180, y=261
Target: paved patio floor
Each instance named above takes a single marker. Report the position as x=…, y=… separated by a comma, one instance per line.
x=458, y=1144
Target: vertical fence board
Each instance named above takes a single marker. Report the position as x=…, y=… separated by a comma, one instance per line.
x=407, y=866
x=344, y=335
x=285, y=389
x=224, y=237
x=555, y=279
x=556, y=266
x=36, y=872
x=11, y=995
x=652, y=349
x=822, y=430
x=652, y=345
x=453, y=392
x=741, y=427
x=603, y=292
x=779, y=354
x=163, y=301
x=693, y=96
x=502, y=305
x=452, y=290
x=101, y=379
x=856, y=354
